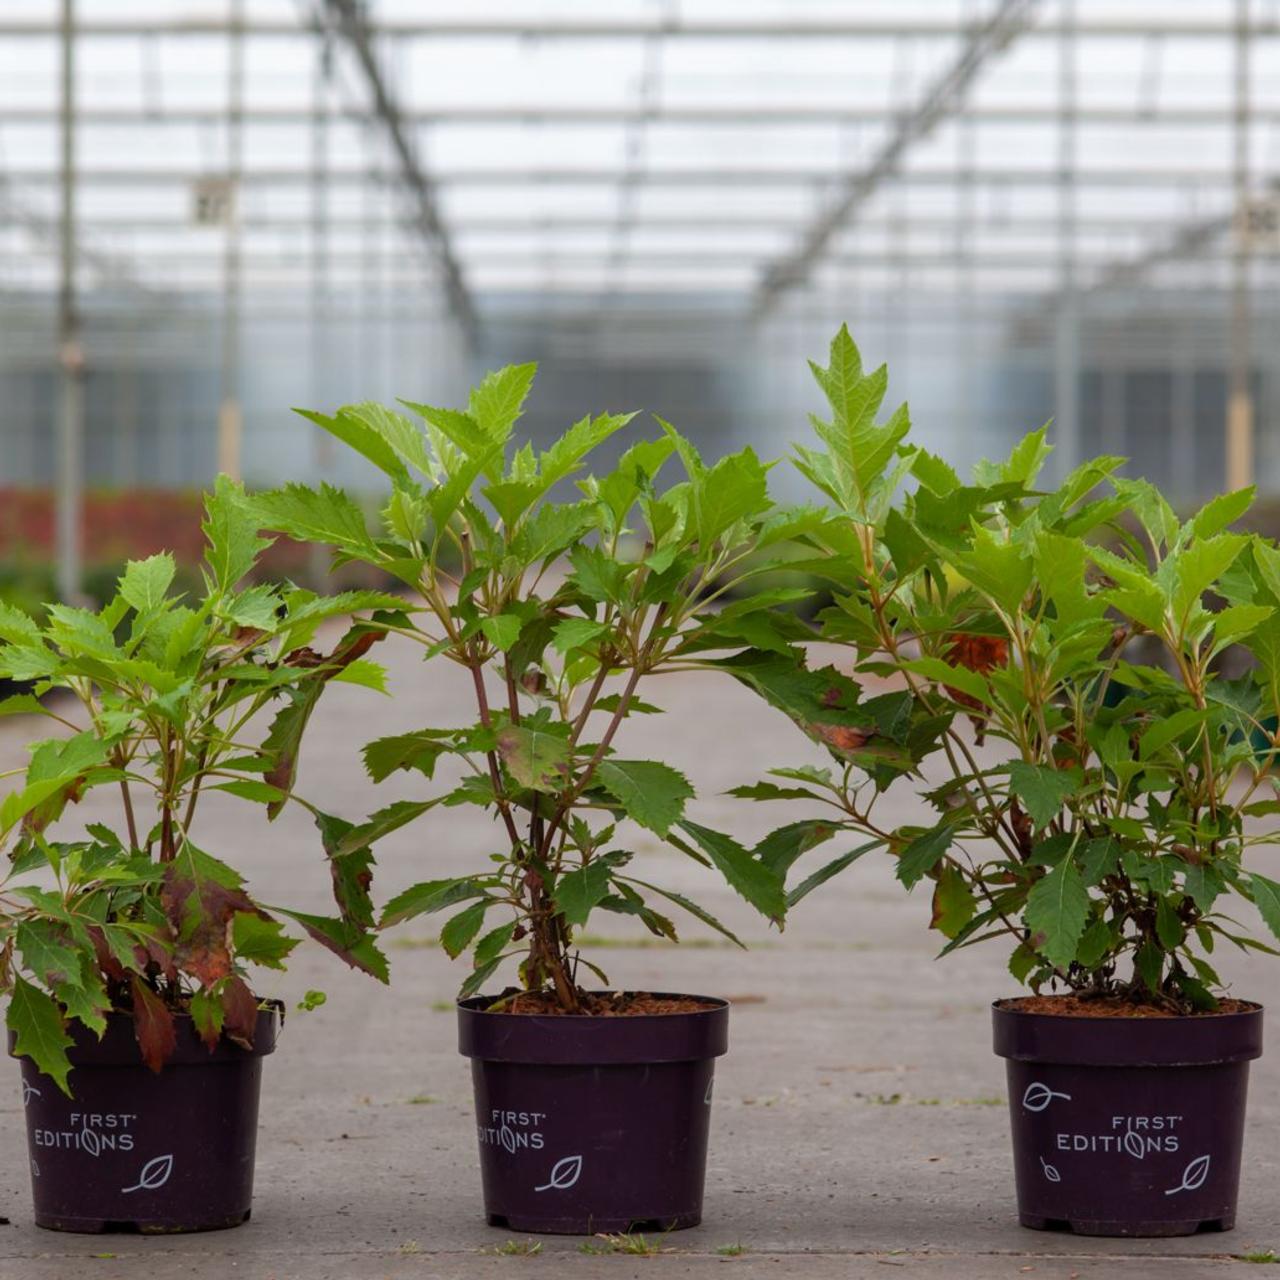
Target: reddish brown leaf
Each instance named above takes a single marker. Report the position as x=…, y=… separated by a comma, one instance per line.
x=201, y=915
x=981, y=654
x=240, y=1008
x=156, y=955
x=111, y=968
x=843, y=737
x=1023, y=830
x=978, y=653
x=152, y=1025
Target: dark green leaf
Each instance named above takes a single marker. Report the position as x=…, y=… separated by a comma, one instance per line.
x=653, y=794
x=924, y=853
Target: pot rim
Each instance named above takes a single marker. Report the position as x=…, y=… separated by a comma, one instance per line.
x=589, y=1040
x=1202, y=1039
x=118, y=1046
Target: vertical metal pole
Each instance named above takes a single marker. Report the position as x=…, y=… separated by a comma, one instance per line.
x=1066, y=366
x=1240, y=393
x=230, y=411
x=1183, y=390
x=69, y=498
x=368, y=345
x=321, y=374
x=322, y=349
x=963, y=315
x=386, y=295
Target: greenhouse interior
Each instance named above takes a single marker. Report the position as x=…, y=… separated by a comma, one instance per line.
x=1058, y=214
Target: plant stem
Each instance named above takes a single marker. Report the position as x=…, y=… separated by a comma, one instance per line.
x=495, y=777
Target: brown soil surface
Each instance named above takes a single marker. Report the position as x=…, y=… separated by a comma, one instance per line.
x=618, y=1004
x=1110, y=1007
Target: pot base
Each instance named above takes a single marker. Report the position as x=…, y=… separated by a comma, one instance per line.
x=539, y=1226
x=1085, y=1227
x=108, y=1226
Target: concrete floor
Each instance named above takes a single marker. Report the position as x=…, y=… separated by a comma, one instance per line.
x=859, y=1120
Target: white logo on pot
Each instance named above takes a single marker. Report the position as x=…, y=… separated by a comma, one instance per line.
x=155, y=1173
x=1193, y=1176
x=1135, y=1136
x=564, y=1173
x=1038, y=1096
x=29, y=1091
x=1049, y=1171
x=513, y=1130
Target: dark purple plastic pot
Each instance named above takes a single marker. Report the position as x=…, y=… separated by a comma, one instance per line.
x=1127, y=1126
x=591, y=1124
x=137, y=1151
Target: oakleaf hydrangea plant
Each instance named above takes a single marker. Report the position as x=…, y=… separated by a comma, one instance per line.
x=553, y=609
x=157, y=700
x=1047, y=667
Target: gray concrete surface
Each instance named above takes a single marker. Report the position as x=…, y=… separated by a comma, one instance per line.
x=859, y=1127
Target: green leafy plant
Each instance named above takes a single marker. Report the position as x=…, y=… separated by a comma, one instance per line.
x=156, y=700
x=1053, y=659
x=553, y=611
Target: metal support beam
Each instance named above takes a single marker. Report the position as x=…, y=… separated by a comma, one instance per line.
x=783, y=115
x=1066, y=367
x=319, y=331
x=639, y=27
x=1240, y=447
x=348, y=18
x=69, y=498
x=726, y=176
x=712, y=257
x=230, y=409
x=715, y=223
x=938, y=101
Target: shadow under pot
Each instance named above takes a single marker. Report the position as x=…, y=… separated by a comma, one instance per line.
x=140, y=1151
x=1127, y=1126
x=593, y=1124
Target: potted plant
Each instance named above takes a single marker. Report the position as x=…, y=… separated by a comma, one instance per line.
x=1049, y=667
x=124, y=946
x=592, y=1104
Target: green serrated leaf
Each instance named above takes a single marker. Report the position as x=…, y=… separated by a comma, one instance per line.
x=747, y=875
x=651, y=793
x=146, y=582
x=325, y=515
x=39, y=1031
x=924, y=853
x=258, y=940
x=1042, y=790
x=578, y=892
x=502, y=631
x=1057, y=908
x=459, y=930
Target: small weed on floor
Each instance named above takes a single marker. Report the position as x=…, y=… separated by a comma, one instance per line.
x=514, y=1249
x=636, y=1245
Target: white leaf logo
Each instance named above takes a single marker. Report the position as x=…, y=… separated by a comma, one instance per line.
x=1049, y=1171
x=90, y=1142
x=155, y=1173
x=1134, y=1145
x=1038, y=1096
x=1193, y=1176
x=564, y=1174
x=35, y=1169
x=706, y=1097
x=29, y=1091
